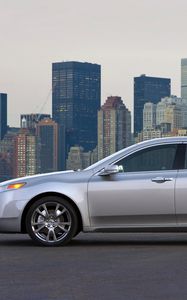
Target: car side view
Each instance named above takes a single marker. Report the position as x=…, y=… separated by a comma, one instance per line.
x=140, y=188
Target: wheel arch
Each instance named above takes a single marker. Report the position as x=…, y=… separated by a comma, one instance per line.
x=29, y=204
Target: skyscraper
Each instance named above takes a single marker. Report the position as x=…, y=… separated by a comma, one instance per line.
x=184, y=78
x=114, y=127
x=149, y=116
x=78, y=159
x=25, y=154
x=5, y=167
x=166, y=118
x=172, y=110
x=148, y=89
x=47, y=132
x=7, y=151
x=31, y=120
x=75, y=102
x=3, y=115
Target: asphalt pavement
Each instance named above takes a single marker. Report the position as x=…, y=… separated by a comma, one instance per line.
x=95, y=266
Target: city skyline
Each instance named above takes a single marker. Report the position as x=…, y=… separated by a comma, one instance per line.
x=127, y=38
x=48, y=101
x=76, y=103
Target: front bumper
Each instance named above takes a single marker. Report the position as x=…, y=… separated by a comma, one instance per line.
x=11, y=211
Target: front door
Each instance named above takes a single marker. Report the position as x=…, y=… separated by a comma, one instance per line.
x=141, y=195
x=181, y=194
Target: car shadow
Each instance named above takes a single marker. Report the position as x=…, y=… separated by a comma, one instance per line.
x=100, y=240
x=132, y=241
x=15, y=240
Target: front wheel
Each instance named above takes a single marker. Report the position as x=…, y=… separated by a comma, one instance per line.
x=51, y=221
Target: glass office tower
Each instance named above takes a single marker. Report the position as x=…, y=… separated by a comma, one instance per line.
x=76, y=98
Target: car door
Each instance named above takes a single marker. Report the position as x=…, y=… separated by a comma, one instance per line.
x=181, y=192
x=142, y=194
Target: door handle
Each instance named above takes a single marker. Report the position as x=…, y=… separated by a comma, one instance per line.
x=161, y=179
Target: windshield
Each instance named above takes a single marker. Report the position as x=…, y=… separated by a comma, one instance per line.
x=104, y=159
x=129, y=148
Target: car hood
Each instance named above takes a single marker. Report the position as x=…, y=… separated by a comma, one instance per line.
x=62, y=176
x=36, y=177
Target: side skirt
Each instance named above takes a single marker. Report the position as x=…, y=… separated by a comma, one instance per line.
x=137, y=229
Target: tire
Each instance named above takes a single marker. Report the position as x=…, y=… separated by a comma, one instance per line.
x=51, y=221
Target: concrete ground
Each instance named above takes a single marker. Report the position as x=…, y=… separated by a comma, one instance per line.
x=95, y=266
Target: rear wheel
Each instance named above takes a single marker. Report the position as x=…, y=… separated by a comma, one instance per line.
x=51, y=221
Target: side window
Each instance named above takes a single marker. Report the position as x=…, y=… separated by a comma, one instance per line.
x=185, y=161
x=151, y=159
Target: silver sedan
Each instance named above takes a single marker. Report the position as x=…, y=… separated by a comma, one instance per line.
x=140, y=188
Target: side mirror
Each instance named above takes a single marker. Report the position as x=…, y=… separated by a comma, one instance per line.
x=109, y=170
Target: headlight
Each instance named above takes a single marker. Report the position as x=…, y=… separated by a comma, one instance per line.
x=13, y=186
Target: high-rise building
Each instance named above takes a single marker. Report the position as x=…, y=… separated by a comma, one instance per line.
x=5, y=167
x=26, y=160
x=148, y=134
x=3, y=115
x=165, y=118
x=75, y=102
x=30, y=120
x=78, y=159
x=7, y=158
x=47, y=132
x=172, y=110
x=147, y=89
x=184, y=78
x=114, y=127
x=149, y=116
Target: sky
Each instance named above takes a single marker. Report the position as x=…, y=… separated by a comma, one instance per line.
x=127, y=37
